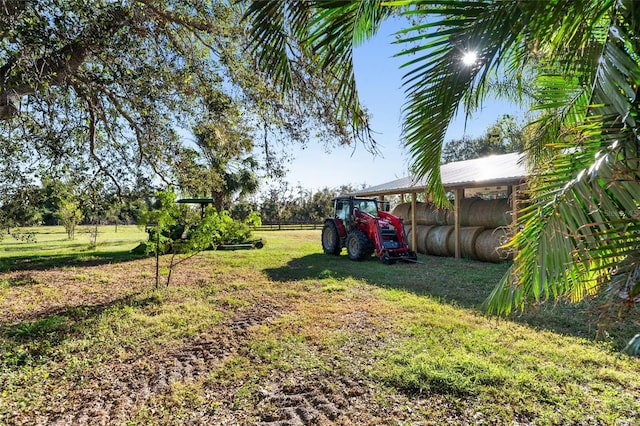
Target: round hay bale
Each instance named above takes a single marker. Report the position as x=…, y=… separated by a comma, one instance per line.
x=489, y=213
x=421, y=209
x=428, y=214
x=407, y=231
x=488, y=245
x=423, y=214
x=465, y=206
x=402, y=210
x=450, y=217
x=468, y=236
x=437, y=240
x=422, y=231
x=439, y=216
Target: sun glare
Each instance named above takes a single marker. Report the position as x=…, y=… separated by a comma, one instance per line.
x=469, y=58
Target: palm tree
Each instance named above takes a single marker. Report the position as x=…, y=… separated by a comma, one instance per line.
x=580, y=233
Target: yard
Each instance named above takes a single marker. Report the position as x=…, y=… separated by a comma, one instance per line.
x=287, y=335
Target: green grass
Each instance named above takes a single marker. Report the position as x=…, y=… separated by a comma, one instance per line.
x=404, y=343
x=54, y=238
x=51, y=247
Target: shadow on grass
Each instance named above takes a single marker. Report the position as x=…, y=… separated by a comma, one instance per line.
x=30, y=342
x=464, y=283
x=52, y=261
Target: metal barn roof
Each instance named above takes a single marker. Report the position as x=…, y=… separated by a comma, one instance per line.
x=505, y=169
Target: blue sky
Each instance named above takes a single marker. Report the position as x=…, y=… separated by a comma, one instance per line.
x=378, y=77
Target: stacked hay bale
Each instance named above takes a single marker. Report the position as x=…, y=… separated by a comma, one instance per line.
x=482, y=231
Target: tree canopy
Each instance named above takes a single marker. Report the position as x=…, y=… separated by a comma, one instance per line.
x=108, y=90
x=504, y=136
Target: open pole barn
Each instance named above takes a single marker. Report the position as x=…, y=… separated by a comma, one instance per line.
x=486, y=194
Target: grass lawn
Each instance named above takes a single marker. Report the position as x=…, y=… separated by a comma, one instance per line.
x=47, y=247
x=287, y=335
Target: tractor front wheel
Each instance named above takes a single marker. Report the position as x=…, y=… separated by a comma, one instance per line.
x=331, y=239
x=358, y=245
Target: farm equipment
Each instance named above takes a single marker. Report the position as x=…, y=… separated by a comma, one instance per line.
x=362, y=228
x=230, y=245
x=174, y=235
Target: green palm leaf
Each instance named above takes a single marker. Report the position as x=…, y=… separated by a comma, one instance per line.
x=437, y=81
x=275, y=27
x=580, y=235
x=328, y=29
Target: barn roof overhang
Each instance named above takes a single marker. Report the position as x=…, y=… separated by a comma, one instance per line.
x=494, y=170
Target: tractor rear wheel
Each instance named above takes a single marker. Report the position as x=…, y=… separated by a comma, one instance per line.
x=331, y=239
x=358, y=245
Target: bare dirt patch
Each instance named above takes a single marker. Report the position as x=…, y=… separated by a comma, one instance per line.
x=115, y=392
x=107, y=399
x=291, y=405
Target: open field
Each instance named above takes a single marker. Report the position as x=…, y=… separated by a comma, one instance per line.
x=286, y=336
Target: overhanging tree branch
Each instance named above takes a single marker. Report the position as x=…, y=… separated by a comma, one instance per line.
x=91, y=103
x=25, y=74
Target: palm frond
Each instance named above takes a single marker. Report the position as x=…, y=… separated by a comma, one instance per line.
x=269, y=37
x=504, y=34
x=277, y=28
x=437, y=81
x=338, y=28
x=328, y=29
x=580, y=234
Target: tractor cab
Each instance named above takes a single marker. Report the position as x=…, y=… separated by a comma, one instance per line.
x=345, y=209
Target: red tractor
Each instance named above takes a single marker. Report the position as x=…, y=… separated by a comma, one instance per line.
x=363, y=229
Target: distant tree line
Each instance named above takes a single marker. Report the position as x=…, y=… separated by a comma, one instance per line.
x=284, y=204
x=56, y=202
x=68, y=203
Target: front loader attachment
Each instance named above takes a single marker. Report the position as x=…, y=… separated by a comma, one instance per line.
x=391, y=240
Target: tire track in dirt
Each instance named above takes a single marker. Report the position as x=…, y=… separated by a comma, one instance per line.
x=324, y=399
x=106, y=400
x=304, y=406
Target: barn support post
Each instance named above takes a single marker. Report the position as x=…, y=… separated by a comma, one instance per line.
x=414, y=238
x=456, y=219
x=514, y=204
